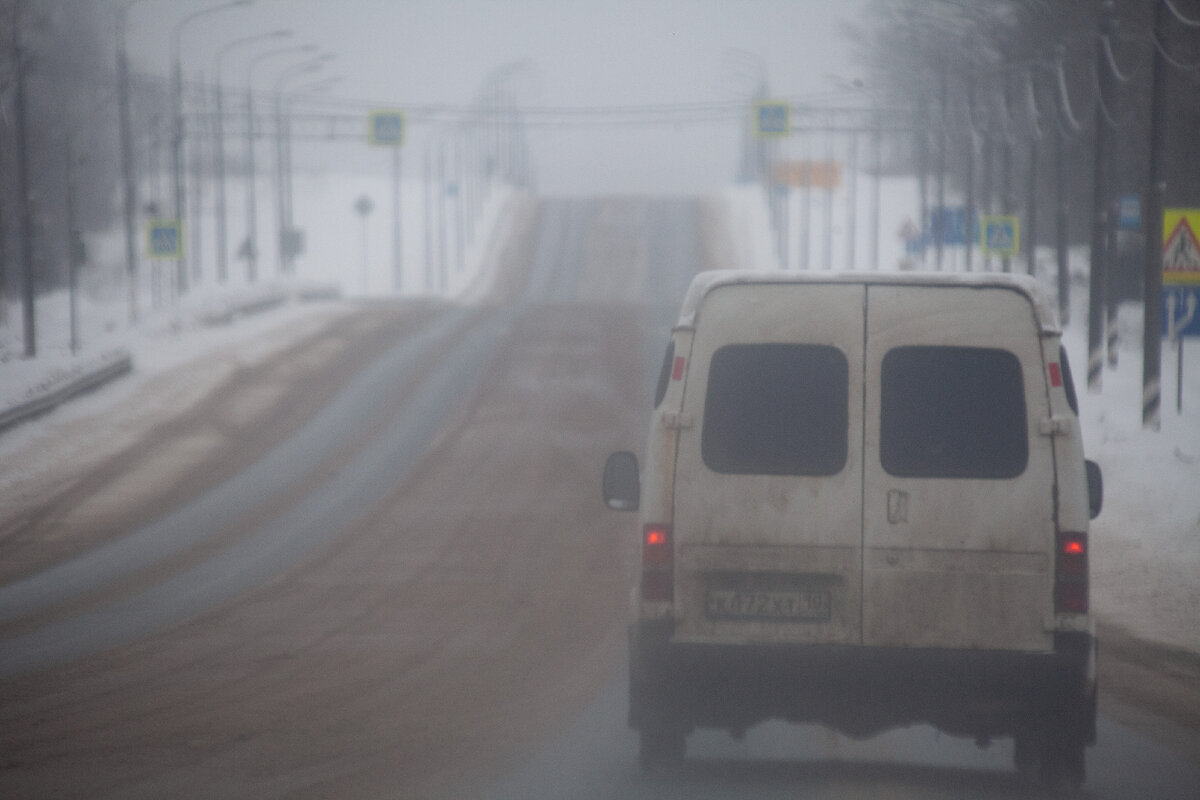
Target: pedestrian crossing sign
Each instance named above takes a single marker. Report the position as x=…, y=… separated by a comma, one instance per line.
x=1181, y=250
x=164, y=238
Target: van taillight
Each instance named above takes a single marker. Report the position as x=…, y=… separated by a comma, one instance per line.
x=658, y=559
x=1071, y=574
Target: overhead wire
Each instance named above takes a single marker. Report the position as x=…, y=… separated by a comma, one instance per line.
x=1179, y=15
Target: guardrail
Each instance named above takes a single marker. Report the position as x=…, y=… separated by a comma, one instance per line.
x=116, y=364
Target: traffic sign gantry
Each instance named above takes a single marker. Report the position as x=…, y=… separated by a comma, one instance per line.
x=386, y=127
x=164, y=238
x=772, y=118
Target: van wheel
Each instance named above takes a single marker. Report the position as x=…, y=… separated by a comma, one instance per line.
x=661, y=746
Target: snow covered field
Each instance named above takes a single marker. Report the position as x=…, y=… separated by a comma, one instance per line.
x=1145, y=544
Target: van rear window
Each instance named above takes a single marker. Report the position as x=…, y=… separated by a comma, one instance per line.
x=776, y=409
x=953, y=412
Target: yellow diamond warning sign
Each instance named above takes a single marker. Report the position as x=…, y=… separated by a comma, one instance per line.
x=1181, y=249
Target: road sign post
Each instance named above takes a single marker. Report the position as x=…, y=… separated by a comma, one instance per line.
x=1181, y=284
x=387, y=128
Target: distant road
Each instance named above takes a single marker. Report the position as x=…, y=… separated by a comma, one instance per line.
x=378, y=566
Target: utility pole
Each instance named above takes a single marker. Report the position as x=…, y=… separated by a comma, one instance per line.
x=939, y=228
x=970, y=182
x=127, y=169
x=1152, y=226
x=1062, y=216
x=1006, y=159
x=23, y=199
x=1100, y=204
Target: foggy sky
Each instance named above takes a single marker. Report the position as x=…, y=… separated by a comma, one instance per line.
x=583, y=54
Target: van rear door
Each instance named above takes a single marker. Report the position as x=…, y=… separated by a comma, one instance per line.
x=958, y=520
x=768, y=482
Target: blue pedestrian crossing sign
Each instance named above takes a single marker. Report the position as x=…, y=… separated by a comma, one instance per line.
x=772, y=118
x=386, y=128
x=164, y=238
x=1001, y=235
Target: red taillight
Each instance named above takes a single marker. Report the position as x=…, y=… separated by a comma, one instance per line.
x=1071, y=574
x=658, y=558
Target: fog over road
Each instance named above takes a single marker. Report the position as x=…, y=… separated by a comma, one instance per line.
x=378, y=566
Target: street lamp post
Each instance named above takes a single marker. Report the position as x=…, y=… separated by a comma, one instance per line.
x=177, y=133
x=250, y=247
x=295, y=71
x=129, y=179
x=222, y=222
x=288, y=223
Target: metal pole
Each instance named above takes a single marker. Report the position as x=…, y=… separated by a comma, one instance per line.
x=1062, y=221
x=1100, y=191
x=397, y=263
x=827, y=255
x=876, y=190
x=1006, y=163
x=129, y=181
x=28, y=306
x=1152, y=234
x=73, y=240
x=851, y=198
x=177, y=188
x=222, y=229
x=969, y=234
x=428, y=219
x=251, y=247
x=939, y=228
x=1031, y=233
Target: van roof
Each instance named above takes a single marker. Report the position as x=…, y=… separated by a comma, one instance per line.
x=705, y=282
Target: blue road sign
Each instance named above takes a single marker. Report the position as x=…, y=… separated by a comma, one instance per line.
x=949, y=223
x=386, y=128
x=772, y=118
x=1129, y=212
x=164, y=238
x=1001, y=235
x=1181, y=311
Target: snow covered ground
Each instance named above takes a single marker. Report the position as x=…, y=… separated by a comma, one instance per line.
x=1145, y=544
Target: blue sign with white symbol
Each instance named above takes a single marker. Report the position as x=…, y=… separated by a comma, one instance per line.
x=772, y=118
x=387, y=128
x=164, y=238
x=1001, y=235
x=950, y=225
x=1129, y=213
x=1181, y=311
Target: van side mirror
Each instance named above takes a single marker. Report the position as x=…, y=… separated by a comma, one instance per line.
x=1095, y=483
x=622, y=486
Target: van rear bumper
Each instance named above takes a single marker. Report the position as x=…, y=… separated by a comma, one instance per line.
x=861, y=691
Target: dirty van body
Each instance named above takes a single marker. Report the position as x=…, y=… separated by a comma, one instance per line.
x=864, y=503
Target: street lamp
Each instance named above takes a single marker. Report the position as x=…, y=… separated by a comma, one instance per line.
x=222, y=229
x=250, y=247
x=281, y=176
x=177, y=132
x=298, y=94
x=127, y=170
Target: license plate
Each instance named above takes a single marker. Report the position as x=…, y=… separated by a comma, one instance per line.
x=780, y=605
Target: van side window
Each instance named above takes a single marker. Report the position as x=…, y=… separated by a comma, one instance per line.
x=776, y=409
x=664, y=376
x=1068, y=382
x=953, y=412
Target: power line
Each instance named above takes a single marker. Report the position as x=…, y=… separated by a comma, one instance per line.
x=1183, y=20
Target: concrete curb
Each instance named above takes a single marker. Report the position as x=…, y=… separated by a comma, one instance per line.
x=115, y=364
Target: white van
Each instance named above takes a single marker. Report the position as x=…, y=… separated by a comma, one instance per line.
x=864, y=504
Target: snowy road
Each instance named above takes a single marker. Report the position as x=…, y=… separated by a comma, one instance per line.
x=385, y=570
